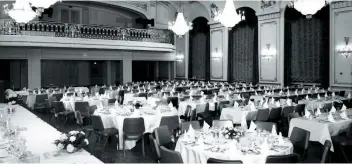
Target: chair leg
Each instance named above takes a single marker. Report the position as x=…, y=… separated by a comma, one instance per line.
x=143, y=145
x=106, y=140
x=123, y=147
x=65, y=121
x=51, y=119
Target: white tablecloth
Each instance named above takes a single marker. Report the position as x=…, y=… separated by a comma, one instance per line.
x=116, y=121
x=23, y=93
x=40, y=137
x=320, y=131
x=70, y=104
x=79, y=89
x=236, y=114
x=197, y=154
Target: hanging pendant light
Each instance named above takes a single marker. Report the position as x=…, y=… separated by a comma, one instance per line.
x=308, y=7
x=21, y=11
x=180, y=26
x=229, y=17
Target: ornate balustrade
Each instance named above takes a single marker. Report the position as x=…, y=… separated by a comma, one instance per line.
x=54, y=29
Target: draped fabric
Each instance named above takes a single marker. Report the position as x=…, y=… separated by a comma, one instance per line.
x=199, y=50
x=307, y=47
x=243, y=49
x=14, y=73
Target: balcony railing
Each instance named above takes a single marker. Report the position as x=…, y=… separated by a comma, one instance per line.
x=54, y=29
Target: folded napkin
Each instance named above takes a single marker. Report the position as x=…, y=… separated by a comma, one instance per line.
x=296, y=92
x=306, y=114
x=289, y=102
x=171, y=105
x=329, y=89
x=326, y=95
x=97, y=94
x=280, y=93
x=331, y=118
x=318, y=97
x=165, y=97
x=273, y=130
x=265, y=105
x=205, y=127
x=349, y=95
x=307, y=97
x=244, y=122
x=252, y=127
x=333, y=94
x=116, y=103
x=251, y=106
x=280, y=139
x=272, y=101
x=344, y=115
x=227, y=97
x=235, y=104
x=318, y=112
x=256, y=93
x=200, y=141
x=39, y=92
x=302, y=91
x=333, y=109
x=239, y=96
x=343, y=107
x=214, y=98
x=191, y=133
x=265, y=148
x=178, y=95
x=277, y=104
x=261, y=101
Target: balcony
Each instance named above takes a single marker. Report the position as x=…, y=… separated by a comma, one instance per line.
x=53, y=34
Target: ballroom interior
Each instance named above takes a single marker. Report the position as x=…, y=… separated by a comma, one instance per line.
x=226, y=81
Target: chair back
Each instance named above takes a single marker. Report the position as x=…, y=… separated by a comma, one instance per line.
x=286, y=110
x=51, y=100
x=133, y=125
x=185, y=125
x=69, y=94
x=173, y=100
x=327, y=146
x=41, y=98
x=193, y=115
x=268, y=126
x=262, y=115
x=327, y=107
x=92, y=109
x=169, y=156
x=275, y=114
x=97, y=123
x=111, y=101
x=155, y=148
x=291, y=116
x=163, y=136
x=213, y=160
x=300, y=139
x=58, y=106
x=300, y=109
x=82, y=106
x=290, y=158
x=58, y=96
x=172, y=122
x=223, y=123
x=349, y=131
x=101, y=91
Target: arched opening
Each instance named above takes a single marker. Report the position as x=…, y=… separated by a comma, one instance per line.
x=307, y=47
x=243, y=49
x=199, y=50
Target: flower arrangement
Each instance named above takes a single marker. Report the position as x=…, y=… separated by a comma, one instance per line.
x=73, y=141
x=231, y=133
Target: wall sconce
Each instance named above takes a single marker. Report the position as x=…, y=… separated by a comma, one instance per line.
x=216, y=55
x=268, y=53
x=345, y=49
x=179, y=57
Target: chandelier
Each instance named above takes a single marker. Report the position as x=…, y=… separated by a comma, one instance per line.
x=308, y=7
x=180, y=26
x=229, y=16
x=43, y=3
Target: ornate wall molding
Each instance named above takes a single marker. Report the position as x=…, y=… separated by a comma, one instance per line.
x=267, y=3
x=341, y=4
x=269, y=16
x=215, y=25
x=212, y=62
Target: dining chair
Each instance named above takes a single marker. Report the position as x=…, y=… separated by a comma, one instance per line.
x=133, y=129
x=155, y=148
x=300, y=141
x=111, y=101
x=58, y=96
x=300, y=109
x=101, y=131
x=193, y=115
x=213, y=160
x=83, y=108
x=223, y=123
x=101, y=91
x=327, y=107
x=60, y=111
x=342, y=93
x=121, y=95
x=185, y=125
x=275, y=114
x=221, y=105
x=163, y=137
x=69, y=94
x=342, y=145
x=173, y=100
x=92, y=109
x=206, y=112
x=291, y=116
x=172, y=122
x=290, y=158
x=40, y=102
x=268, y=126
x=262, y=115
x=88, y=129
x=169, y=156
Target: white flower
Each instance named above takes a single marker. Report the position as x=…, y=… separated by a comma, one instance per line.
x=70, y=148
x=60, y=146
x=72, y=138
x=63, y=137
x=86, y=141
x=13, y=102
x=227, y=136
x=74, y=132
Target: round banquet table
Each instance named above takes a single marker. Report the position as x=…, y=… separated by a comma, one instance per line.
x=114, y=119
x=70, y=103
x=200, y=153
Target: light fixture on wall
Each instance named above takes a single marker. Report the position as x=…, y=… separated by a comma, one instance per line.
x=345, y=50
x=216, y=55
x=268, y=53
x=229, y=16
x=308, y=7
x=179, y=57
x=23, y=12
x=180, y=27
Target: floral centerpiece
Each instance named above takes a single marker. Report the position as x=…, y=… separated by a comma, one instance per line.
x=73, y=141
x=231, y=133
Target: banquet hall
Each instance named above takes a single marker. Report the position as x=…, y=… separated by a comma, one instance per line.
x=225, y=81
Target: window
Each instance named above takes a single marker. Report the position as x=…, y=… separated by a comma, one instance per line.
x=70, y=15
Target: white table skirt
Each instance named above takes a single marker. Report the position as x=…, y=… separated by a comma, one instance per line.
x=320, y=131
x=40, y=137
x=236, y=114
x=150, y=122
x=197, y=154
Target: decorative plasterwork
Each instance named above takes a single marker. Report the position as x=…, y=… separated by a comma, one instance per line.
x=214, y=10
x=269, y=16
x=341, y=4
x=267, y=3
x=216, y=25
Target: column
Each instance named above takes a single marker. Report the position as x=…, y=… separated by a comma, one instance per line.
x=108, y=73
x=34, y=68
x=218, y=52
x=127, y=67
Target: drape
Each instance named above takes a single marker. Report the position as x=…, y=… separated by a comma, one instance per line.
x=243, y=49
x=59, y=73
x=199, y=50
x=307, y=47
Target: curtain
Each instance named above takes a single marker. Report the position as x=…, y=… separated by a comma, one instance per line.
x=243, y=49
x=307, y=47
x=199, y=50
x=18, y=74
x=59, y=73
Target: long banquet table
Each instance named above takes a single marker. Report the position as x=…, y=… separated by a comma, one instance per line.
x=40, y=137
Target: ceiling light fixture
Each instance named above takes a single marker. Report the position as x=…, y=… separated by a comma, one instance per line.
x=308, y=7
x=229, y=16
x=180, y=27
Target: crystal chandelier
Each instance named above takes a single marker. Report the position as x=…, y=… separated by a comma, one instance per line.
x=180, y=26
x=43, y=3
x=308, y=7
x=21, y=11
x=229, y=16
